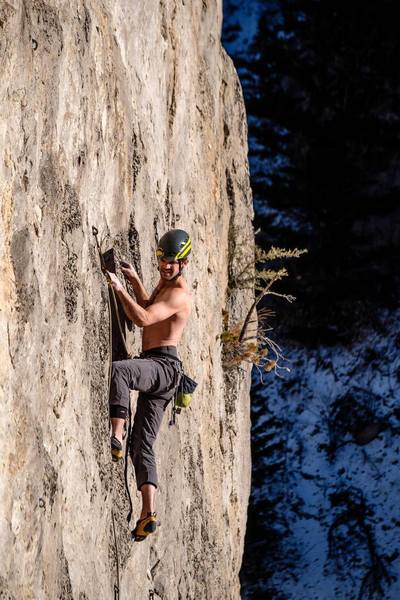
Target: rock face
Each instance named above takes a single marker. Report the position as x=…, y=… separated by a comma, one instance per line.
x=127, y=116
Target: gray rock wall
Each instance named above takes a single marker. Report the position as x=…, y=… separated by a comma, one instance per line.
x=127, y=116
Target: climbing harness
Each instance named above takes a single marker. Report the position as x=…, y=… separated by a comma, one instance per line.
x=183, y=393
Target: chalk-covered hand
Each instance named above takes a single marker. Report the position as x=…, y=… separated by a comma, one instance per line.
x=128, y=270
x=115, y=282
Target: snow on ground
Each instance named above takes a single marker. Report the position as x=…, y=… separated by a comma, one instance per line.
x=357, y=486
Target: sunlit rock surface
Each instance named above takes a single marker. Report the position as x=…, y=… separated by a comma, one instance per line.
x=127, y=116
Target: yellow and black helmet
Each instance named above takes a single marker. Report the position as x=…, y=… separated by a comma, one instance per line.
x=174, y=245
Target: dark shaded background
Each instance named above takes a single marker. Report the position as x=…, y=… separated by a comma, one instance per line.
x=322, y=90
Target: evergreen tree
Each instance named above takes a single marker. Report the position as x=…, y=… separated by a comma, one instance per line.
x=322, y=93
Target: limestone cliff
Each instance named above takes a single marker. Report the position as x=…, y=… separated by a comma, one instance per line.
x=127, y=116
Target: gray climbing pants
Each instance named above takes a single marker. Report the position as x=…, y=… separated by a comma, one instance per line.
x=156, y=377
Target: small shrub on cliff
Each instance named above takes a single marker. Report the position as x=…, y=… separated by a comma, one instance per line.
x=240, y=343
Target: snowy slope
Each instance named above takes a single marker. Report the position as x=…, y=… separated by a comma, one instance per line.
x=325, y=481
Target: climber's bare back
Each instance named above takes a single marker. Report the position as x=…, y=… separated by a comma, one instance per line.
x=168, y=332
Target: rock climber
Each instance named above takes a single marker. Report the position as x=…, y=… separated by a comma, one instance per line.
x=156, y=373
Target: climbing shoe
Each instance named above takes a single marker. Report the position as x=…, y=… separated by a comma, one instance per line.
x=144, y=527
x=116, y=449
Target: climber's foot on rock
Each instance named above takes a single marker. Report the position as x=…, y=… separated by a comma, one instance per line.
x=144, y=527
x=116, y=449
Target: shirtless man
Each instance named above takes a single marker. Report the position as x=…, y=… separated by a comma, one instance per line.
x=156, y=373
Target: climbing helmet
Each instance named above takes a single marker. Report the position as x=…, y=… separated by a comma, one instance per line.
x=174, y=245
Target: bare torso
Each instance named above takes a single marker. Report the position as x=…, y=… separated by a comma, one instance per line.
x=169, y=331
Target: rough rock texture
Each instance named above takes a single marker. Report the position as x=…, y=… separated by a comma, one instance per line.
x=128, y=116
